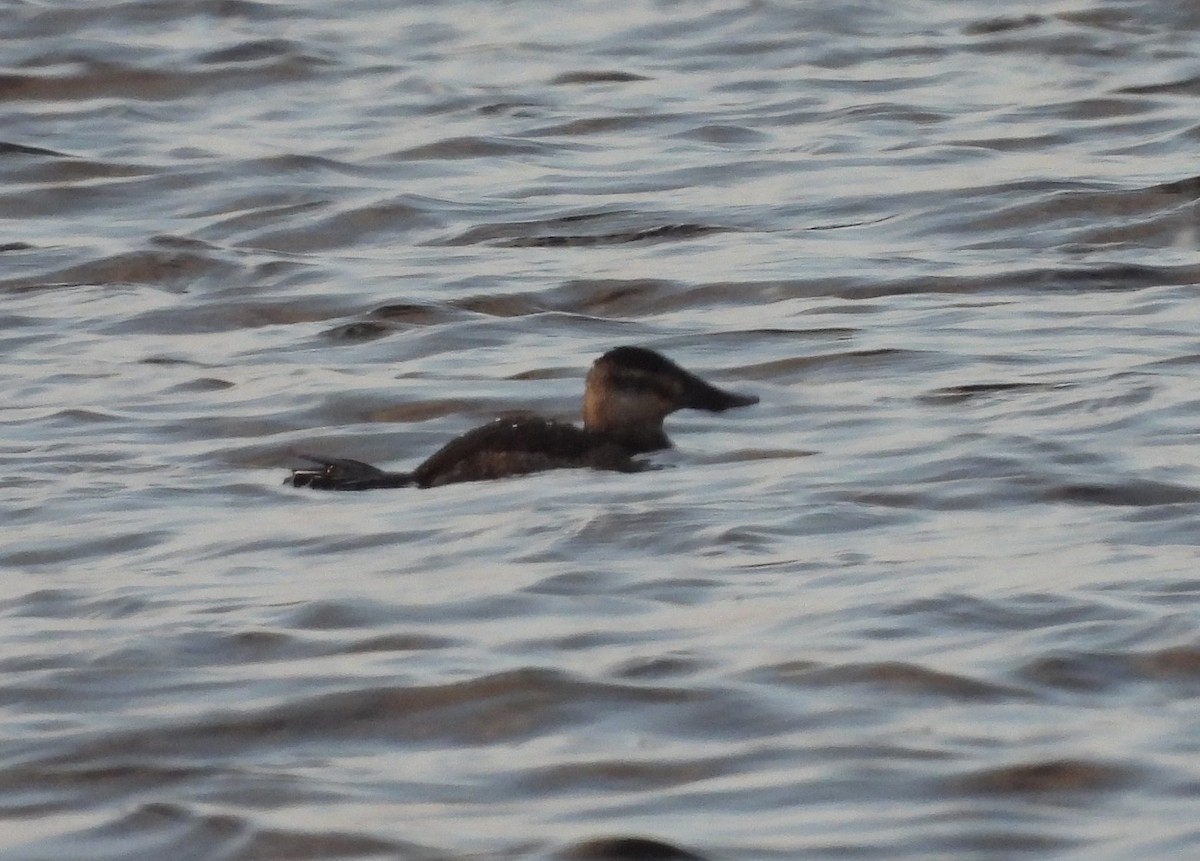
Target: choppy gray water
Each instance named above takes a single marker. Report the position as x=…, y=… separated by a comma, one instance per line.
x=935, y=597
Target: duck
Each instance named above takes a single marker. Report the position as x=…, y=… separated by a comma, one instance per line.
x=628, y=393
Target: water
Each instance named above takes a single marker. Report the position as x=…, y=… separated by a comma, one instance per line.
x=935, y=597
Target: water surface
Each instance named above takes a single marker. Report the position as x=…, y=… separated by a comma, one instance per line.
x=935, y=597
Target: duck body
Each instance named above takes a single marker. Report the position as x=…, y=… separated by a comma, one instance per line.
x=629, y=391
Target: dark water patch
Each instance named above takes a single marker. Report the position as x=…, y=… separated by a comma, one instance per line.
x=1181, y=87
x=513, y=108
x=1127, y=392
x=1134, y=492
x=342, y=409
x=70, y=184
x=894, y=677
x=976, y=483
x=412, y=314
x=360, y=331
x=552, y=373
x=660, y=667
x=732, y=342
x=93, y=79
x=1167, y=591
x=45, y=603
x=501, y=305
x=773, y=291
x=257, y=209
x=202, y=384
x=56, y=660
x=1189, y=188
x=578, y=642
x=171, y=361
x=582, y=582
x=154, y=830
x=369, y=225
x=313, y=168
x=594, y=126
x=397, y=643
x=1165, y=229
x=1174, y=668
x=209, y=648
x=890, y=499
x=996, y=841
x=424, y=410
x=334, y=616
x=676, y=591
x=174, y=270
x=11, y=149
x=472, y=147
x=58, y=787
x=323, y=846
x=1091, y=673
x=504, y=708
x=597, y=77
x=1095, y=217
x=724, y=135
x=243, y=646
x=83, y=416
x=633, y=297
x=252, y=51
x=602, y=228
x=1003, y=24
x=1114, y=277
x=665, y=233
x=400, y=316
x=1181, y=663
x=615, y=776
x=51, y=552
x=231, y=315
x=41, y=21
x=611, y=297
x=1101, y=110
x=57, y=198
x=1013, y=612
x=834, y=364
x=1185, y=361
x=262, y=225
x=1053, y=777
x=182, y=243
x=1043, y=42
x=976, y=391
x=116, y=606
x=627, y=849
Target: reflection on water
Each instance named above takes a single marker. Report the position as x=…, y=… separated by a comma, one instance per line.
x=933, y=597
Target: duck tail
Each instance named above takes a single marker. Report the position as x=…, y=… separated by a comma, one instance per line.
x=345, y=474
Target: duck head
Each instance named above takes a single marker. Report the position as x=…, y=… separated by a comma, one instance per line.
x=630, y=390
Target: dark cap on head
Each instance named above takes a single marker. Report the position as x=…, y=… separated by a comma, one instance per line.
x=637, y=368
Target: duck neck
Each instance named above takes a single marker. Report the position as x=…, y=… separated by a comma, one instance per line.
x=629, y=422
x=635, y=439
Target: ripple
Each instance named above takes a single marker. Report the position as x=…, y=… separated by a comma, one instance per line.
x=597, y=77
x=1132, y=493
x=891, y=676
x=1053, y=776
x=155, y=828
x=1095, y=672
x=975, y=391
x=471, y=147
x=563, y=232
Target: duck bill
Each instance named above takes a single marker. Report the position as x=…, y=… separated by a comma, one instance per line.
x=699, y=395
